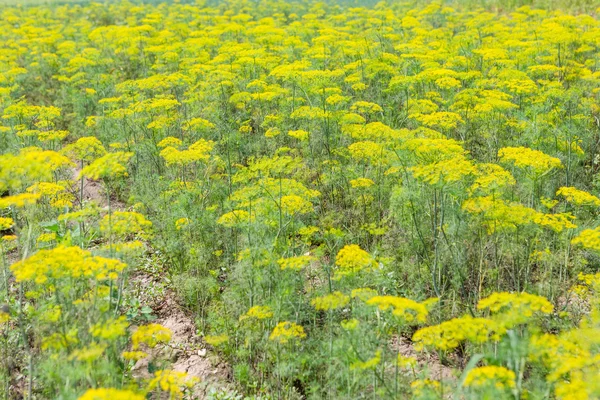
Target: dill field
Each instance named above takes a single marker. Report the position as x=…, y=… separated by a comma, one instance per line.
x=268, y=199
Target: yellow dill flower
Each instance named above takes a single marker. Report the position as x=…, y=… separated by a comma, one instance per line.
x=498, y=377
x=196, y=152
x=307, y=231
x=578, y=197
x=424, y=387
x=235, y=217
x=330, y=301
x=351, y=259
x=445, y=171
x=361, y=183
x=111, y=165
x=350, y=324
x=431, y=150
x=46, y=136
x=448, y=82
x=246, y=129
x=111, y=394
x=63, y=262
x=449, y=334
x=301, y=135
x=370, y=152
x=363, y=294
x=161, y=122
x=499, y=215
x=46, y=237
x=90, y=210
x=172, y=382
x=286, y=331
x=336, y=99
x=182, y=223
x=19, y=200
x=406, y=362
x=371, y=363
x=89, y=353
x=293, y=204
x=197, y=124
x=216, y=340
x=441, y=120
x=4, y=317
x=258, y=312
x=92, y=121
x=515, y=308
x=524, y=157
x=170, y=141
x=407, y=309
x=130, y=248
x=46, y=189
x=111, y=329
x=490, y=178
x=124, y=223
x=557, y=222
x=365, y=107
x=272, y=132
x=134, y=355
x=588, y=238
x=150, y=335
x=6, y=223
x=295, y=263
x=592, y=280
x=574, y=389
x=60, y=341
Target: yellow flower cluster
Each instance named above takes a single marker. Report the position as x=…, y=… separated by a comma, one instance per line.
x=110, y=329
x=31, y=165
x=172, y=382
x=364, y=294
x=286, y=331
x=368, y=364
x=198, y=151
x=500, y=215
x=361, y=183
x=66, y=262
x=499, y=377
x=235, y=217
x=406, y=309
x=351, y=259
x=293, y=204
x=295, y=263
x=109, y=166
x=449, y=334
x=524, y=157
x=150, y=335
x=125, y=223
x=181, y=223
x=111, y=394
x=490, y=178
x=86, y=149
x=578, y=197
x=512, y=309
x=216, y=340
x=588, y=238
x=300, y=134
x=425, y=387
x=444, y=171
x=6, y=223
x=330, y=301
x=258, y=312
